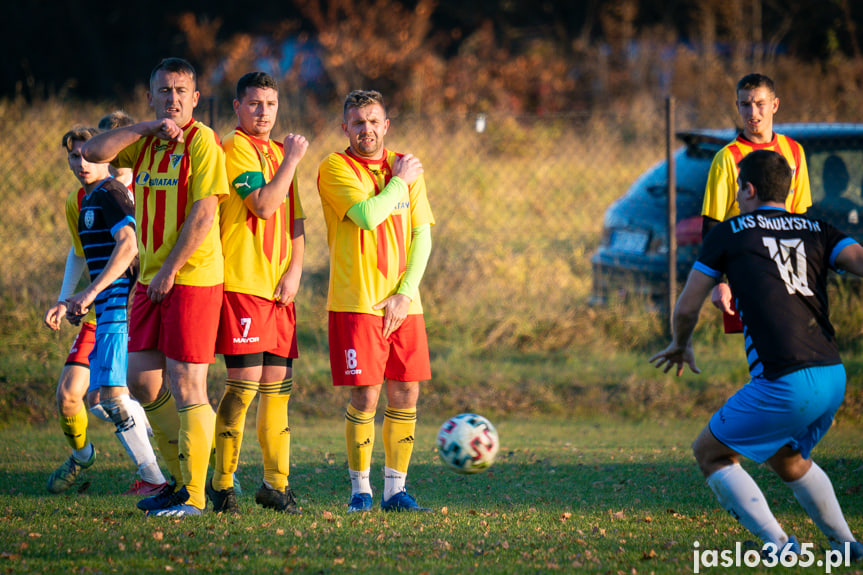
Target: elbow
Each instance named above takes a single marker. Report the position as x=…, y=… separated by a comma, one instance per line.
x=261, y=213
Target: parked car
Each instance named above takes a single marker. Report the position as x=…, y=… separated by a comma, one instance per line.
x=633, y=253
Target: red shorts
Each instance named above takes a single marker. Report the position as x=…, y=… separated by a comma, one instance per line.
x=183, y=326
x=252, y=324
x=79, y=353
x=359, y=355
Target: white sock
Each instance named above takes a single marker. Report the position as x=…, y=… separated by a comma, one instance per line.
x=738, y=494
x=128, y=417
x=815, y=493
x=83, y=455
x=360, y=482
x=100, y=412
x=394, y=481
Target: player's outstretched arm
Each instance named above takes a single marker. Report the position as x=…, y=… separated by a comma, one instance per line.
x=851, y=259
x=679, y=352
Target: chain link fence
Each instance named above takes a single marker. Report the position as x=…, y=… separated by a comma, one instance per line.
x=519, y=203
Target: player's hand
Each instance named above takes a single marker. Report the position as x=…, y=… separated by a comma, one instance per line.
x=721, y=298
x=287, y=288
x=674, y=355
x=160, y=286
x=54, y=315
x=79, y=304
x=74, y=318
x=407, y=167
x=396, y=306
x=295, y=148
x=164, y=129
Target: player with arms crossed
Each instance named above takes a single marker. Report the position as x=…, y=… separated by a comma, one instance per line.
x=179, y=177
x=756, y=104
x=106, y=235
x=777, y=264
x=378, y=231
x=263, y=242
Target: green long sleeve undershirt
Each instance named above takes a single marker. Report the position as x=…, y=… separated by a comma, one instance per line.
x=368, y=214
x=418, y=257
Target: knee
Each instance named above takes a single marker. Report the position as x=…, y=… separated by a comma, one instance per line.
x=699, y=452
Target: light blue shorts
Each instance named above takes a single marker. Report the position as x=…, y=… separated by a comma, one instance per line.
x=108, y=360
x=795, y=410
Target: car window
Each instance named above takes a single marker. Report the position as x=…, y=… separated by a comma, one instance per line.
x=836, y=181
x=835, y=173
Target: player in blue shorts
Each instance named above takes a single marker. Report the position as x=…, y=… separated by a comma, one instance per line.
x=777, y=265
x=106, y=228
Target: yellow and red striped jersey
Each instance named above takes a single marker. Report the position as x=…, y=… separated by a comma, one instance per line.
x=366, y=266
x=169, y=178
x=720, y=196
x=73, y=209
x=257, y=252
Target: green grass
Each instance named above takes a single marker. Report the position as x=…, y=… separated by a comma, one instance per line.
x=597, y=495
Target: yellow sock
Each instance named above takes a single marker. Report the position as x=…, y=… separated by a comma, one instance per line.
x=274, y=432
x=398, y=436
x=163, y=418
x=197, y=427
x=230, y=424
x=360, y=437
x=75, y=429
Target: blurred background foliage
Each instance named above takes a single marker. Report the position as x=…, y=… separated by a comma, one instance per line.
x=434, y=56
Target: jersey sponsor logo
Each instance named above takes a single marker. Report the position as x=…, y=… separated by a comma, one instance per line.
x=246, y=323
x=144, y=179
x=351, y=363
x=790, y=258
x=240, y=185
x=403, y=206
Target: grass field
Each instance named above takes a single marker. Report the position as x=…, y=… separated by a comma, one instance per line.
x=565, y=495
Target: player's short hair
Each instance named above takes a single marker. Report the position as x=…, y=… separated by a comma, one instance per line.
x=78, y=134
x=114, y=120
x=255, y=80
x=753, y=81
x=361, y=99
x=769, y=172
x=175, y=65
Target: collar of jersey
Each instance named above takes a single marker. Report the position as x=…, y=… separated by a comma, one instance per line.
x=369, y=164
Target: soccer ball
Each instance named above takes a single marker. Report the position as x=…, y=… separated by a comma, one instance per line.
x=467, y=443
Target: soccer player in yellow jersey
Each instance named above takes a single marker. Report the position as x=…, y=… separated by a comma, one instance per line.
x=756, y=103
x=378, y=231
x=180, y=177
x=262, y=231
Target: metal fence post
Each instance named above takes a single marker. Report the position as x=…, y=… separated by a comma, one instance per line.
x=672, y=210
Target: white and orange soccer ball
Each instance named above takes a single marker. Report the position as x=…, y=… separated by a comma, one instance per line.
x=467, y=443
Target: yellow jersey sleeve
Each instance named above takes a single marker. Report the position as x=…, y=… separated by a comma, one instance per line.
x=73, y=210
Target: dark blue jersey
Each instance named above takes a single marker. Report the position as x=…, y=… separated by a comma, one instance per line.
x=777, y=266
x=104, y=211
